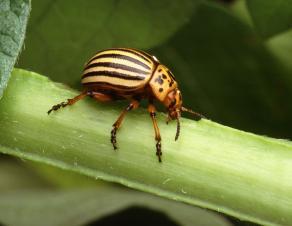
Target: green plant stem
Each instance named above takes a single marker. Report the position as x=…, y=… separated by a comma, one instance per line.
x=212, y=166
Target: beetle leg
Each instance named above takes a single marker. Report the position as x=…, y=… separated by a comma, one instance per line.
x=133, y=105
x=68, y=102
x=100, y=96
x=152, y=111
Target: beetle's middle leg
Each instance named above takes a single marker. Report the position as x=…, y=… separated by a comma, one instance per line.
x=133, y=105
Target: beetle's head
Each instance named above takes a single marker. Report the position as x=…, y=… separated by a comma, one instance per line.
x=173, y=102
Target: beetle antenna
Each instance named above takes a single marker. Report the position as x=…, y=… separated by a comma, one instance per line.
x=193, y=112
x=177, y=129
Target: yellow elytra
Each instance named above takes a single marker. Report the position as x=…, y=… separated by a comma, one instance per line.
x=126, y=73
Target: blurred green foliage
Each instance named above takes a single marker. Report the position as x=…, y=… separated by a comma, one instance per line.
x=271, y=17
x=227, y=73
x=27, y=199
x=62, y=35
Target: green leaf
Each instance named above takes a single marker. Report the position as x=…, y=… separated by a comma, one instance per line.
x=239, y=9
x=213, y=166
x=63, y=34
x=81, y=206
x=39, y=204
x=281, y=47
x=16, y=176
x=13, y=20
x=271, y=17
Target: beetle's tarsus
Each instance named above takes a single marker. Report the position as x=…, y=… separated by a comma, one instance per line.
x=158, y=150
x=113, y=138
x=57, y=106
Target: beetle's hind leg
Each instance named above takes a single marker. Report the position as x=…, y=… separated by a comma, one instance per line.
x=68, y=102
x=133, y=105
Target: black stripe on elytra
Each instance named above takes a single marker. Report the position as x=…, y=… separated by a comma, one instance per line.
x=113, y=74
x=107, y=84
x=138, y=53
x=116, y=66
x=120, y=56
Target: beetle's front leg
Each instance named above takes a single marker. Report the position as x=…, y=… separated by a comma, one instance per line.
x=133, y=105
x=152, y=111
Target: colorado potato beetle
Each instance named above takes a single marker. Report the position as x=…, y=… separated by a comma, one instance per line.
x=126, y=73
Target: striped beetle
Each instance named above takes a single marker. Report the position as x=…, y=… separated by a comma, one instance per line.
x=126, y=73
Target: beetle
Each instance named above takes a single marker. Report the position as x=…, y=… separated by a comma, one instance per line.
x=131, y=74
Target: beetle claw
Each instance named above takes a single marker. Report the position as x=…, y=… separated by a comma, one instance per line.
x=57, y=106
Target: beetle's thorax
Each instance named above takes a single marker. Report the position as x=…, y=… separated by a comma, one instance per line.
x=162, y=82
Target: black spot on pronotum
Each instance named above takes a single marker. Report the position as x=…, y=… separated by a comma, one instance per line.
x=160, y=90
x=159, y=70
x=164, y=76
x=171, y=83
x=159, y=80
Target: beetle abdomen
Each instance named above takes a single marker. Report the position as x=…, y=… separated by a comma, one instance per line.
x=119, y=69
